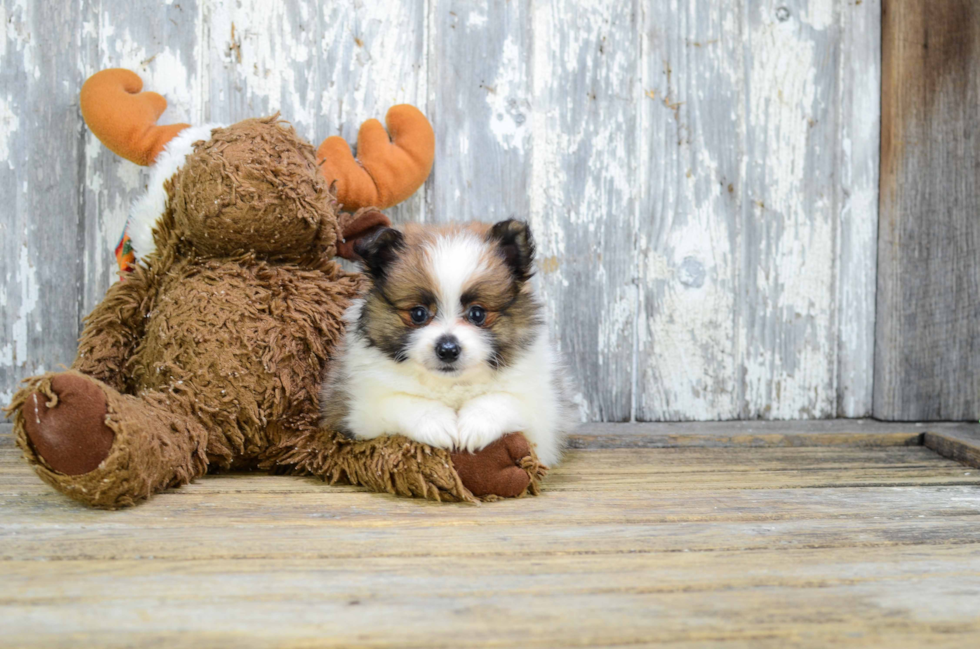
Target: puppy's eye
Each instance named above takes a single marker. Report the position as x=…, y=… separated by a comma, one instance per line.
x=477, y=315
x=419, y=315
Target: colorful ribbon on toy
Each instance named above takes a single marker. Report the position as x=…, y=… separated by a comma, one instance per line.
x=125, y=256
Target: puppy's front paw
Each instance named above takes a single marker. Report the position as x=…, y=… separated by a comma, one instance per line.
x=479, y=425
x=436, y=427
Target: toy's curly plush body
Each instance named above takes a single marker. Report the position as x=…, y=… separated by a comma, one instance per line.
x=210, y=353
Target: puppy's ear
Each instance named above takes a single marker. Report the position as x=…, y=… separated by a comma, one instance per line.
x=516, y=245
x=378, y=249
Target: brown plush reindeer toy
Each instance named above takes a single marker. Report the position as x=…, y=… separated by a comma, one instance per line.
x=208, y=355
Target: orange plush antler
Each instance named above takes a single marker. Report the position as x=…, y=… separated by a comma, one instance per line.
x=125, y=119
x=386, y=171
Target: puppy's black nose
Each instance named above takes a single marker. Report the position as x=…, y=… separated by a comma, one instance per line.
x=447, y=349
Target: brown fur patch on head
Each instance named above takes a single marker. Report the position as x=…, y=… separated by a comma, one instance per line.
x=254, y=188
x=505, y=289
x=399, y=286
x=512, y=311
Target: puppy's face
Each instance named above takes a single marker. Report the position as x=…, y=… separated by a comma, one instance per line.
x=453, y=300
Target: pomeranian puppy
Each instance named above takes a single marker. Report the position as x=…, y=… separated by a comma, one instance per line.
x=448, y=347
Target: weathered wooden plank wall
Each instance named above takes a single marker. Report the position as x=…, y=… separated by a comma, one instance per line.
x=701, y=176
x=928, y=357
x=41, y=160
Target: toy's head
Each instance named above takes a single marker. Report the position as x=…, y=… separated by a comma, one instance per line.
x=255, y=186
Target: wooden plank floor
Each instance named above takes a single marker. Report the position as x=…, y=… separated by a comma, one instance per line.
x=869, y=544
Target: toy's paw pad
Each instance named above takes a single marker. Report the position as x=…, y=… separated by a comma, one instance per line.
x=495, y=470
x=71, y=436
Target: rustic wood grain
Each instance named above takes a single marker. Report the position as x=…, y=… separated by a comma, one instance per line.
x=325, y=67
x=858, y=142
x=689, y=599
x=927, y=363
x=689, y=184
x=41, y=146
x=306, y=602
x=160, y=43
x=961, y=443
x=262, y=58
x=479, y=73
x=758, y=210
x=767, y=434
x=583, y=204
x=642, y=140
x=838, y=433
x=688, y=546
x=370, y=57
x=787, y=341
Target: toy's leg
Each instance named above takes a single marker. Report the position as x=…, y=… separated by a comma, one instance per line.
x=102, y=447
x=400, y=466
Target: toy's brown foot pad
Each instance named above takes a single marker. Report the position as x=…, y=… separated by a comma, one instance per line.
x=71, y=436
x=495, y=470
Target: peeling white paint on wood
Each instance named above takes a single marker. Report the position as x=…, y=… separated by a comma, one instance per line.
x=585, y=69
x=262, y=60
x=162, y=46
x=787, y=329
x=371, y=56
x=40, y=217
x=9, y=124
x=701, y=176
x=749, y=239
x=689, y=187
x=859, y=142
x=480, y=100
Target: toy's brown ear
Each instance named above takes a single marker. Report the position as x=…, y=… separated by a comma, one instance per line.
x=125, y=119
x=362, y=224
x=387, y=170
